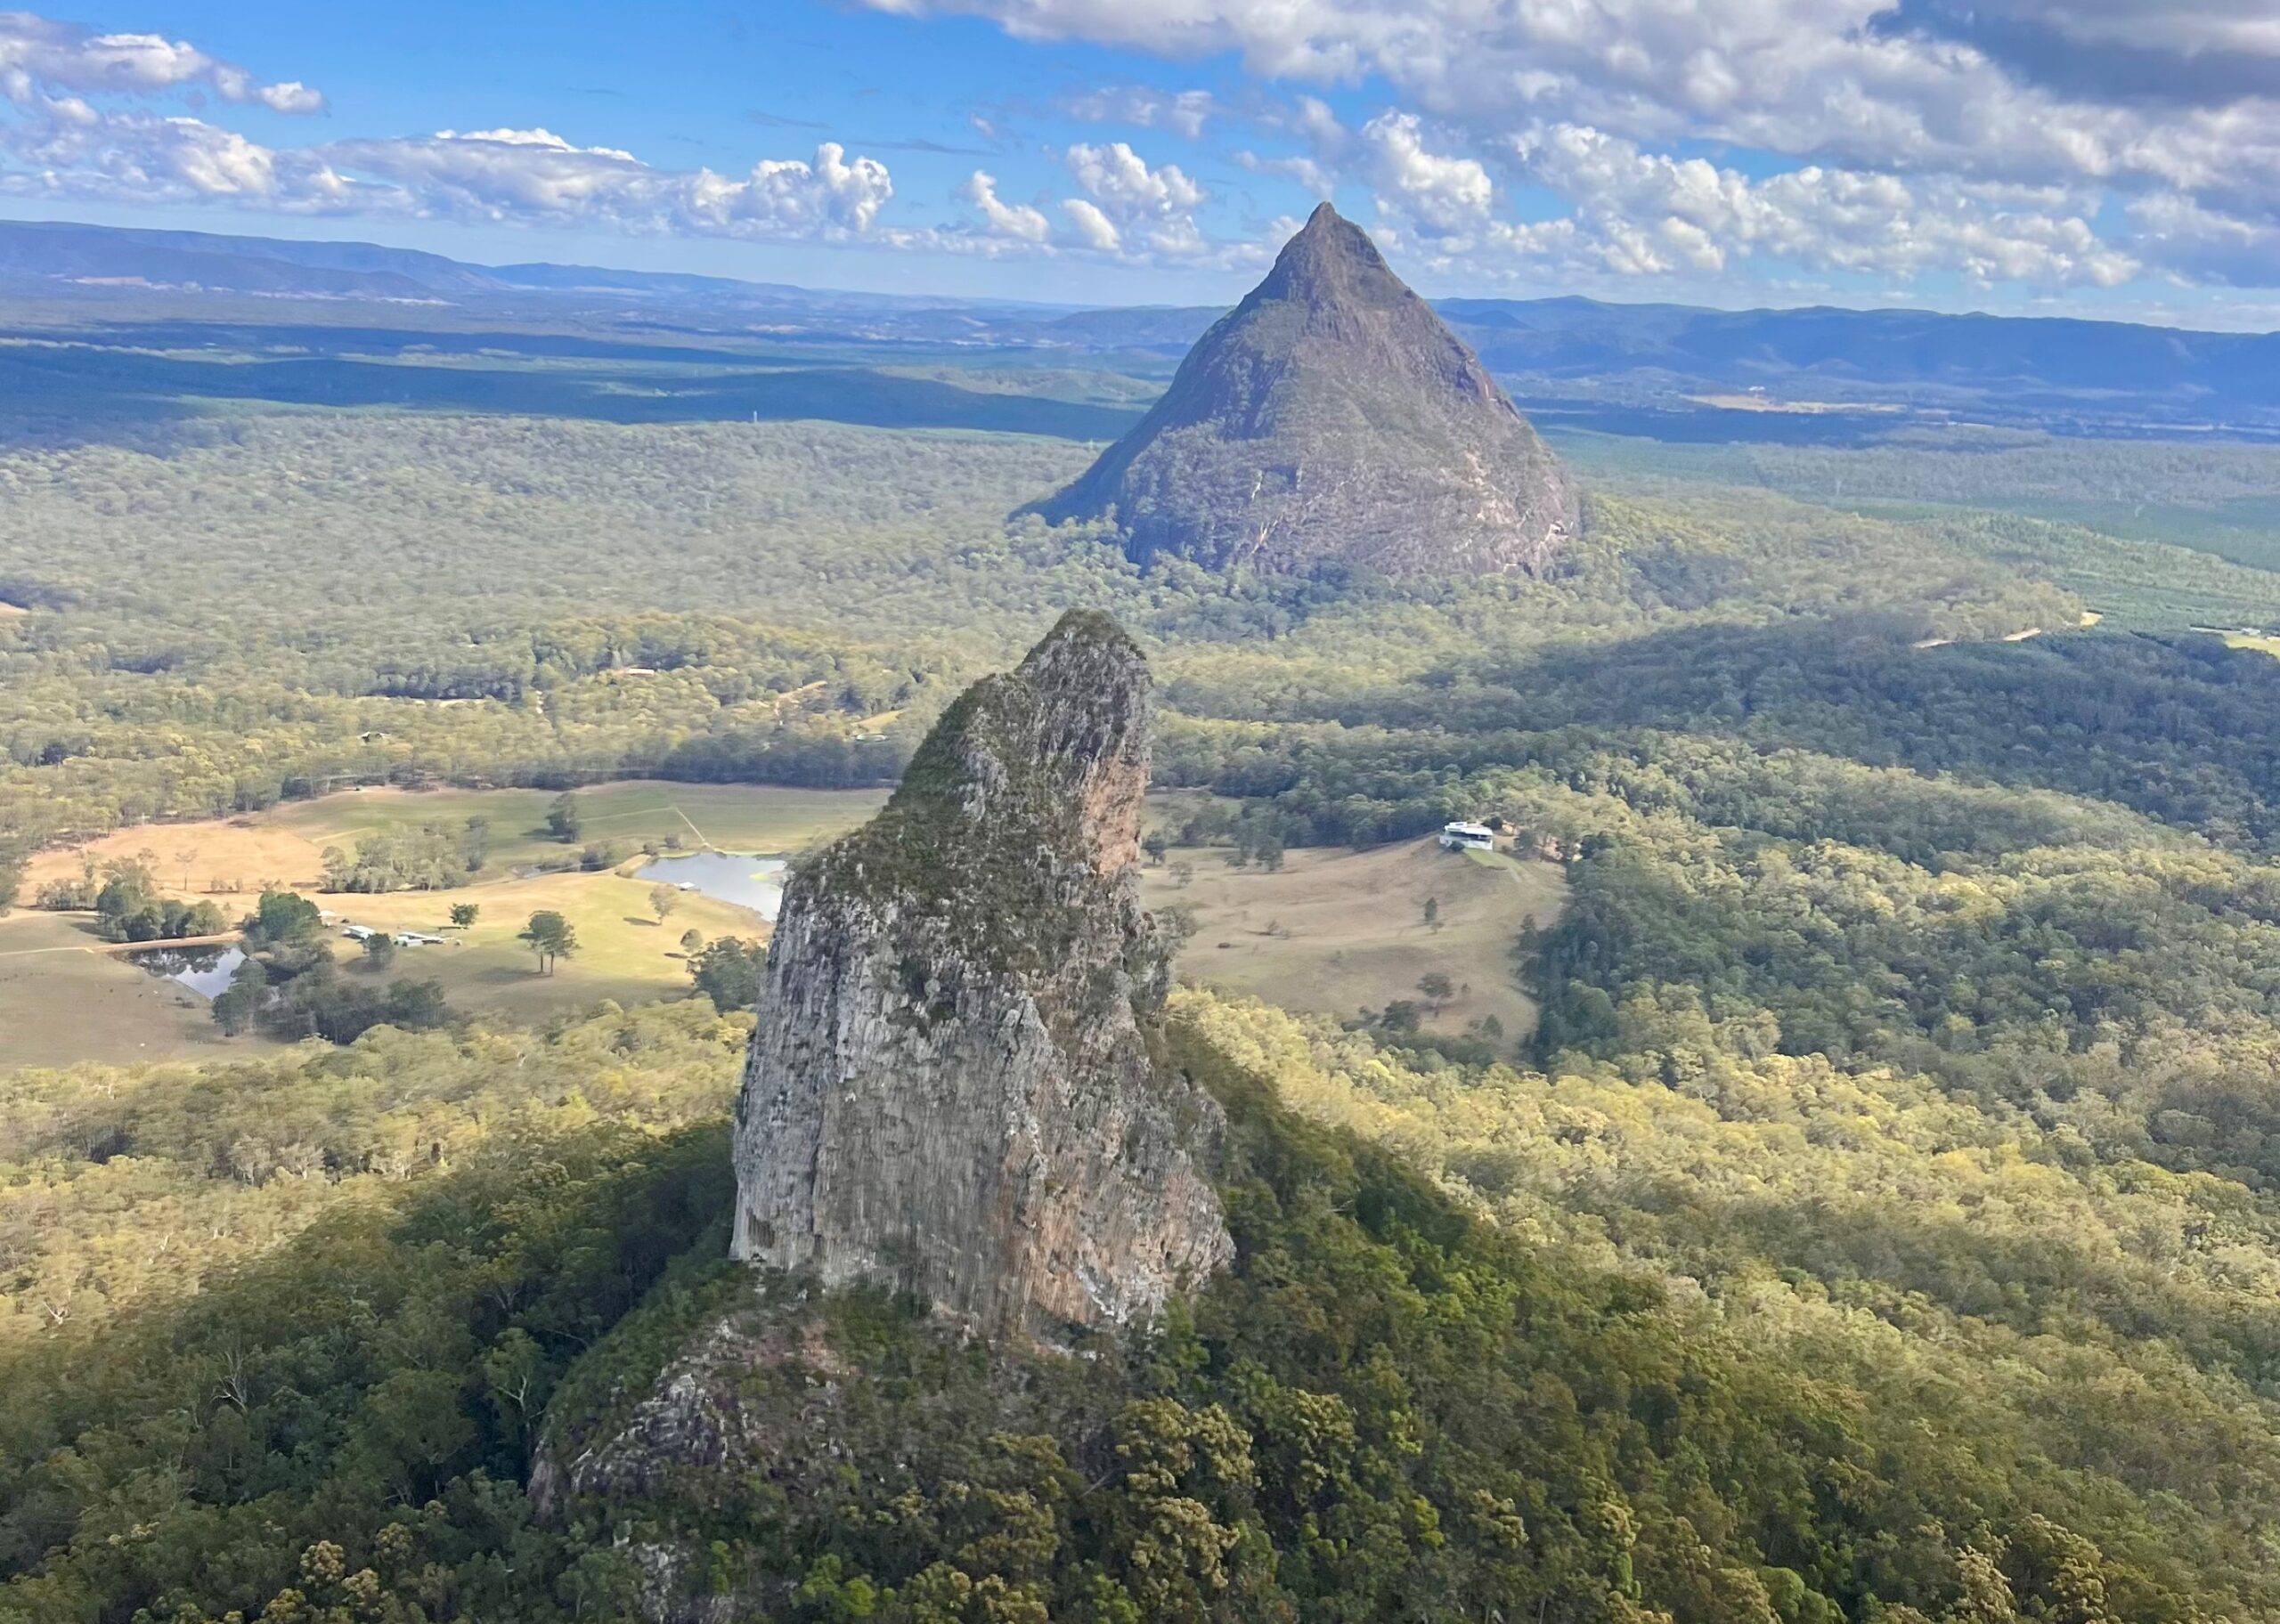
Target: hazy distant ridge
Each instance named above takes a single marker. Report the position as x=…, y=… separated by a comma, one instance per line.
x=1542, y=348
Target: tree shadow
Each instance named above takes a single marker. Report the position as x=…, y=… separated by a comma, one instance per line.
x=2176, y=727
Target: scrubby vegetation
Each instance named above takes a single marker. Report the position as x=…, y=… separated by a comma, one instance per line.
x=428, y=857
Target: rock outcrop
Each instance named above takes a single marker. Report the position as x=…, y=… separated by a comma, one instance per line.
x=954, y=1085
x=1332, y=416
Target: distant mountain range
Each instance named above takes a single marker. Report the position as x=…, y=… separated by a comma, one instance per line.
x=2053, y=372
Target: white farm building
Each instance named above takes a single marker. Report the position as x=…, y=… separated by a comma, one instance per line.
x=1472, y=837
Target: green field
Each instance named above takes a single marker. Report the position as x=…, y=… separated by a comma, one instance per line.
x=623, y=953
x=698, y=817
x=1348, y=928
x=61, y=1000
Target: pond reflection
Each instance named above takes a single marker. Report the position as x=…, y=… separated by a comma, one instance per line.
x=749, y=881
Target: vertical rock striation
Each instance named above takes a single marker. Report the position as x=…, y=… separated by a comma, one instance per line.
x=953, y=1084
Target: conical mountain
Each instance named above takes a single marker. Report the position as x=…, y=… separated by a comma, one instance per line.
x=1332, y=416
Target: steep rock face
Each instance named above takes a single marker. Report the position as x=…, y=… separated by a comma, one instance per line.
x=952, y=1085
x=1333, y=416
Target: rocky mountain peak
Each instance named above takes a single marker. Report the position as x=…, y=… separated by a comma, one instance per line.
x=1064, y=739
x=1329, y=262
x=1332, y=416
x=953, y=1085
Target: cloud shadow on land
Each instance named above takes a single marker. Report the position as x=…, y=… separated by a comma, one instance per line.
x=82, y=395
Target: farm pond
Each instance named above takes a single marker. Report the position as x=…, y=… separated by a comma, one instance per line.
x=204, y=970
x=749, y=881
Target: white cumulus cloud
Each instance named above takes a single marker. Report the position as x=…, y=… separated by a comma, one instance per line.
x=1645, y=213
x=79, y=123
x=1128, y=205
x=2204, y=244
x=521, y=176
x=2127, y=101
x=504, y=177
x=38, y=55
x=1447, y=194
x=1017, y=221
x=1093, y=229
x=1125, y=208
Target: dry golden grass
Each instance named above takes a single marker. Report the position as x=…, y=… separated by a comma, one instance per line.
x=231, y=859
x=64, y=999
x=730, y=816
x=1350, y=931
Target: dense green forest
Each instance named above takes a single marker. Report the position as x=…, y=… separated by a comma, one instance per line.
x=1743, y=1391
x=1884, y=1223
x=1965, y=465
x=2179, y=728
x=1656, y=1347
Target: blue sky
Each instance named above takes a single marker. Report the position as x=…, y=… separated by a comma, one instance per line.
x=2097, y=157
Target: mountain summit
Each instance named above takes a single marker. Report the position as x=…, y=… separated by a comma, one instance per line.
x=1331, y=415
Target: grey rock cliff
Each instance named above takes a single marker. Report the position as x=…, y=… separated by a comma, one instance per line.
x=1333, y=416
x=953, y=1085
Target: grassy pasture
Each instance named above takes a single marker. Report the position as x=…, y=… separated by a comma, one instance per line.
x=63, y=1000
x=730, y=816
x=285, y=846
x=624, y=952
x=1352, y=928
x=1351, y=924
x=215, y=858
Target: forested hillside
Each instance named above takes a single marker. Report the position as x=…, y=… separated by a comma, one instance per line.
x=409, y=599
x=2153, y=533
x=1881, y=1225
x=1704, y=1332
